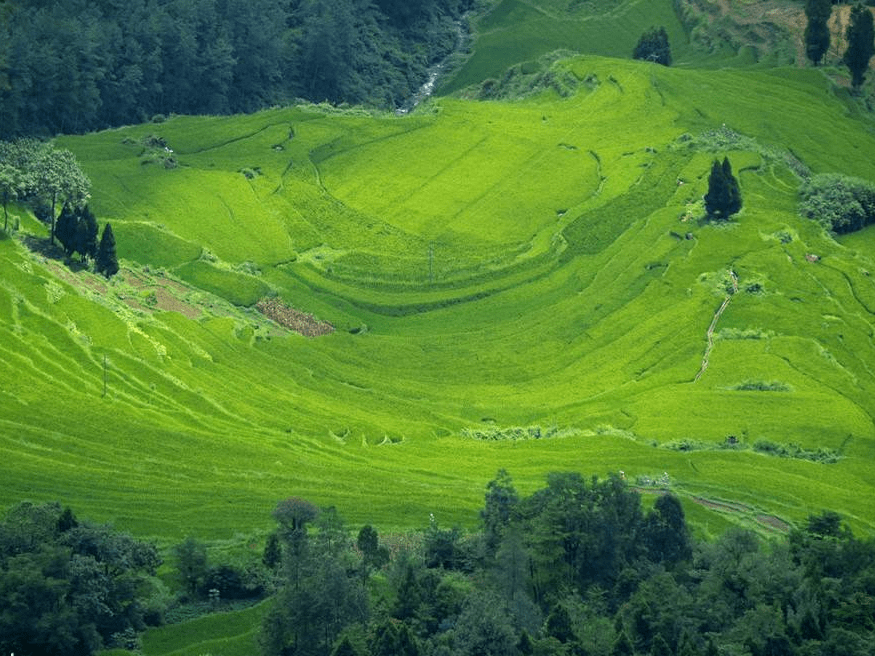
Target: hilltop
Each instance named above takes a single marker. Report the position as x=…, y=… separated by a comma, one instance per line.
x=525, y=283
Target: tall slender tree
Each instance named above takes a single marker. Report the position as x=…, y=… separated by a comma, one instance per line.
x=861, y=44
x=817, y=30
x=107, y=260
x=66, y=228
x=86, y=233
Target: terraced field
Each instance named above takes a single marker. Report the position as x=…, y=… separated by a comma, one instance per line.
x=525, y=284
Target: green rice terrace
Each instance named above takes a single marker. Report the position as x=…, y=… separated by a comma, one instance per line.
x=378, y=311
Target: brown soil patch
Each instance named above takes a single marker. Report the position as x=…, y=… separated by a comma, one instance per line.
x=300, y=322
x=774, y=523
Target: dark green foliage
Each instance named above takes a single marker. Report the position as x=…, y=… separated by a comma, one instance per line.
x=133, y=60
x=501, y=501
x=67, y=586
x=322, y=593
x=653, y=46
x=344, y=648
x=841, y=203
x=484, y=628
x=374, y=556
x=191, y=563
x=817, y=31
x=66, y=227
x=558, y=624
x=861, y=44
x=86, y=233
x=665, y=532
x=106, y=261
x=272, y=552
x=723, y=198
x=580, y=534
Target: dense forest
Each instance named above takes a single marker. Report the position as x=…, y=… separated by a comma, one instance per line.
x=579, y=567
x=78, y=65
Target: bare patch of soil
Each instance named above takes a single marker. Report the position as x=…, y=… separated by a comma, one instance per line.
x=300, y=322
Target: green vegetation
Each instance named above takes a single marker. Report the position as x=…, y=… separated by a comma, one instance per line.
x=861, y=43
x=375, y=311
x=74, y=66
x=839, y=202
x=485, y=266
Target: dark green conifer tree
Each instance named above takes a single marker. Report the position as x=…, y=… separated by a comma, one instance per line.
x=817, y=31
x=724, y=196
x=86, y=233
x=66, y=228
x=653, y=46
x=861, y=44
x=107, y=261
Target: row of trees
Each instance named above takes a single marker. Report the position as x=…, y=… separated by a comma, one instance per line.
x=860, y=34
x=77, y=65
x=577, y=567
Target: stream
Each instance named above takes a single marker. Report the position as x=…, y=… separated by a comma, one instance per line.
x=434, y=72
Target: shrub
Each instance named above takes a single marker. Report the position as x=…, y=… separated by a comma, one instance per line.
x=841, y=203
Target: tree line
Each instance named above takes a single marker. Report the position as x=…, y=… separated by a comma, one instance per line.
x=578, y=567
x=70, y=66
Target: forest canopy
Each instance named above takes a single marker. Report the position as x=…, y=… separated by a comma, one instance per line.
x=79, y=65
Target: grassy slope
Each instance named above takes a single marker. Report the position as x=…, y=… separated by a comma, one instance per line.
x=572, y=307
x=513, y=263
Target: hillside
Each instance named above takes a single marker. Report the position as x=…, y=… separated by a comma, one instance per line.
x=538, y=265
x=526, y=284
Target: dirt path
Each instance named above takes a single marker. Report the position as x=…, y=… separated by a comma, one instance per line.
x=713, y=325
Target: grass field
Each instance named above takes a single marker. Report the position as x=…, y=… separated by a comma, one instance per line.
x=538, y=264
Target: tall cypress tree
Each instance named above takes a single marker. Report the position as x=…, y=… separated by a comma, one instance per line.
x=861, y=44
x=817, y=31
x=107, y=261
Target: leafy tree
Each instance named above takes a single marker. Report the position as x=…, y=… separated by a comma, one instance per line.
x=321, y=594
x=57, y=177
x=861, y=44
x=293, y=515
x=191, y=563
x=724, y=196
x=484, y=628
x=374, y=556
x=501, y=500
x=653, y=46
x=12, y=186
x=817, y=35
x=106, y=260
x=665, y=531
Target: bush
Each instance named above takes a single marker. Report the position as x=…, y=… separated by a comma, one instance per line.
x=841, y=203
